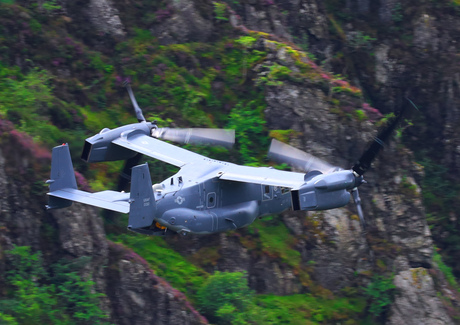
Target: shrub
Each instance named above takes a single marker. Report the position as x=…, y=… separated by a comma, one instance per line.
x=246, y=41
x=446, y=270
x=26, y=100
x=380, y=293
x=219, y=10
x=358, y=40
x=249, y=124
x=276, y=73
x=360, y=115
x=34, y=297
x=226, y=299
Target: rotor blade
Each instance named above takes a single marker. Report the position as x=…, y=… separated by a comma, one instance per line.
x=137, y=109
x=217, y=137
x=284, y=153
x=357, y=200
x=369, y=155
x=125, y=175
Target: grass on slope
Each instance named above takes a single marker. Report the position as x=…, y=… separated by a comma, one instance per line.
x=166, y=262
x=307, y=309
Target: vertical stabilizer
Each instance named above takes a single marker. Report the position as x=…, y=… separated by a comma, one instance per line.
x=142, y=202
x=62, y=176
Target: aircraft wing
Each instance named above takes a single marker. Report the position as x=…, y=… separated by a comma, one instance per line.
x=109, y=200
x=157, y=149
x=179, y=157
x=263, y=175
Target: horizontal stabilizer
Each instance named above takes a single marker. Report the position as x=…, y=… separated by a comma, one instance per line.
x=63, y=187
x=109, y=200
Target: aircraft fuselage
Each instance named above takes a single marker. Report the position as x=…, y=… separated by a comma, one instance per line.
x=196, y=200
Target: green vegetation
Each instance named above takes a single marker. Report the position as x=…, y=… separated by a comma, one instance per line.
x=165, y=262
x=446, y=270
x=408, y=188
x=359, y=41
x=26, y=99
x=249, y=125
x=50, y=5
x=397, y=13
x=246, y=41
x=439, y=193
x=65, y=90
x=35, y=296
x=283, y=135
x=360, y=115
x=440, y=196
x=226, y=299
x=191, y=84
x=380, y=293
x=307, y=309
x=219, y=10
x=275, y=76
x=276, y=241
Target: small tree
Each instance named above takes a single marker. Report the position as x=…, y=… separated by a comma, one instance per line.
x=381, y=293
x=225, y=298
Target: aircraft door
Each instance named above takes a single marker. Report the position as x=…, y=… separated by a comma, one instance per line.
x=267, y=192
x=212, y=194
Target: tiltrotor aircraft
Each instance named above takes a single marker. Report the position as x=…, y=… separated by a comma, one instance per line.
x=206, y=195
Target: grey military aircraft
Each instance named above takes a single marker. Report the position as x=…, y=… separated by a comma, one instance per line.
x=206, y=195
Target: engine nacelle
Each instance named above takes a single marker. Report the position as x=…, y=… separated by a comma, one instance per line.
x=324, y=191
x=100, y=147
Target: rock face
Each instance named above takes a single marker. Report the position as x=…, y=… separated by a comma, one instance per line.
x=332, y=244
x=392, y=204
x=420, y=66
x=184, y=23
x=134, y=294
x=420, y=304
x=141, y=297
x=335, y=251
x=105, y=18
x=264, y=274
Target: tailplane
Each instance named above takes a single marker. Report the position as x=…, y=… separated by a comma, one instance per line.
x=63, y=187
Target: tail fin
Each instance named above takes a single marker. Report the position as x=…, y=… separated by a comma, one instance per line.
x=143, y=206
x=62, y=176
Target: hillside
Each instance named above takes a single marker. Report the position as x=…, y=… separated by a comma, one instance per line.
x=320, y=76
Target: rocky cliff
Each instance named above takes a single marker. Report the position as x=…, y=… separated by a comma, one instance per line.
x=389, y=50
x=334, y=249
x=133, y=293
x=419, y=64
